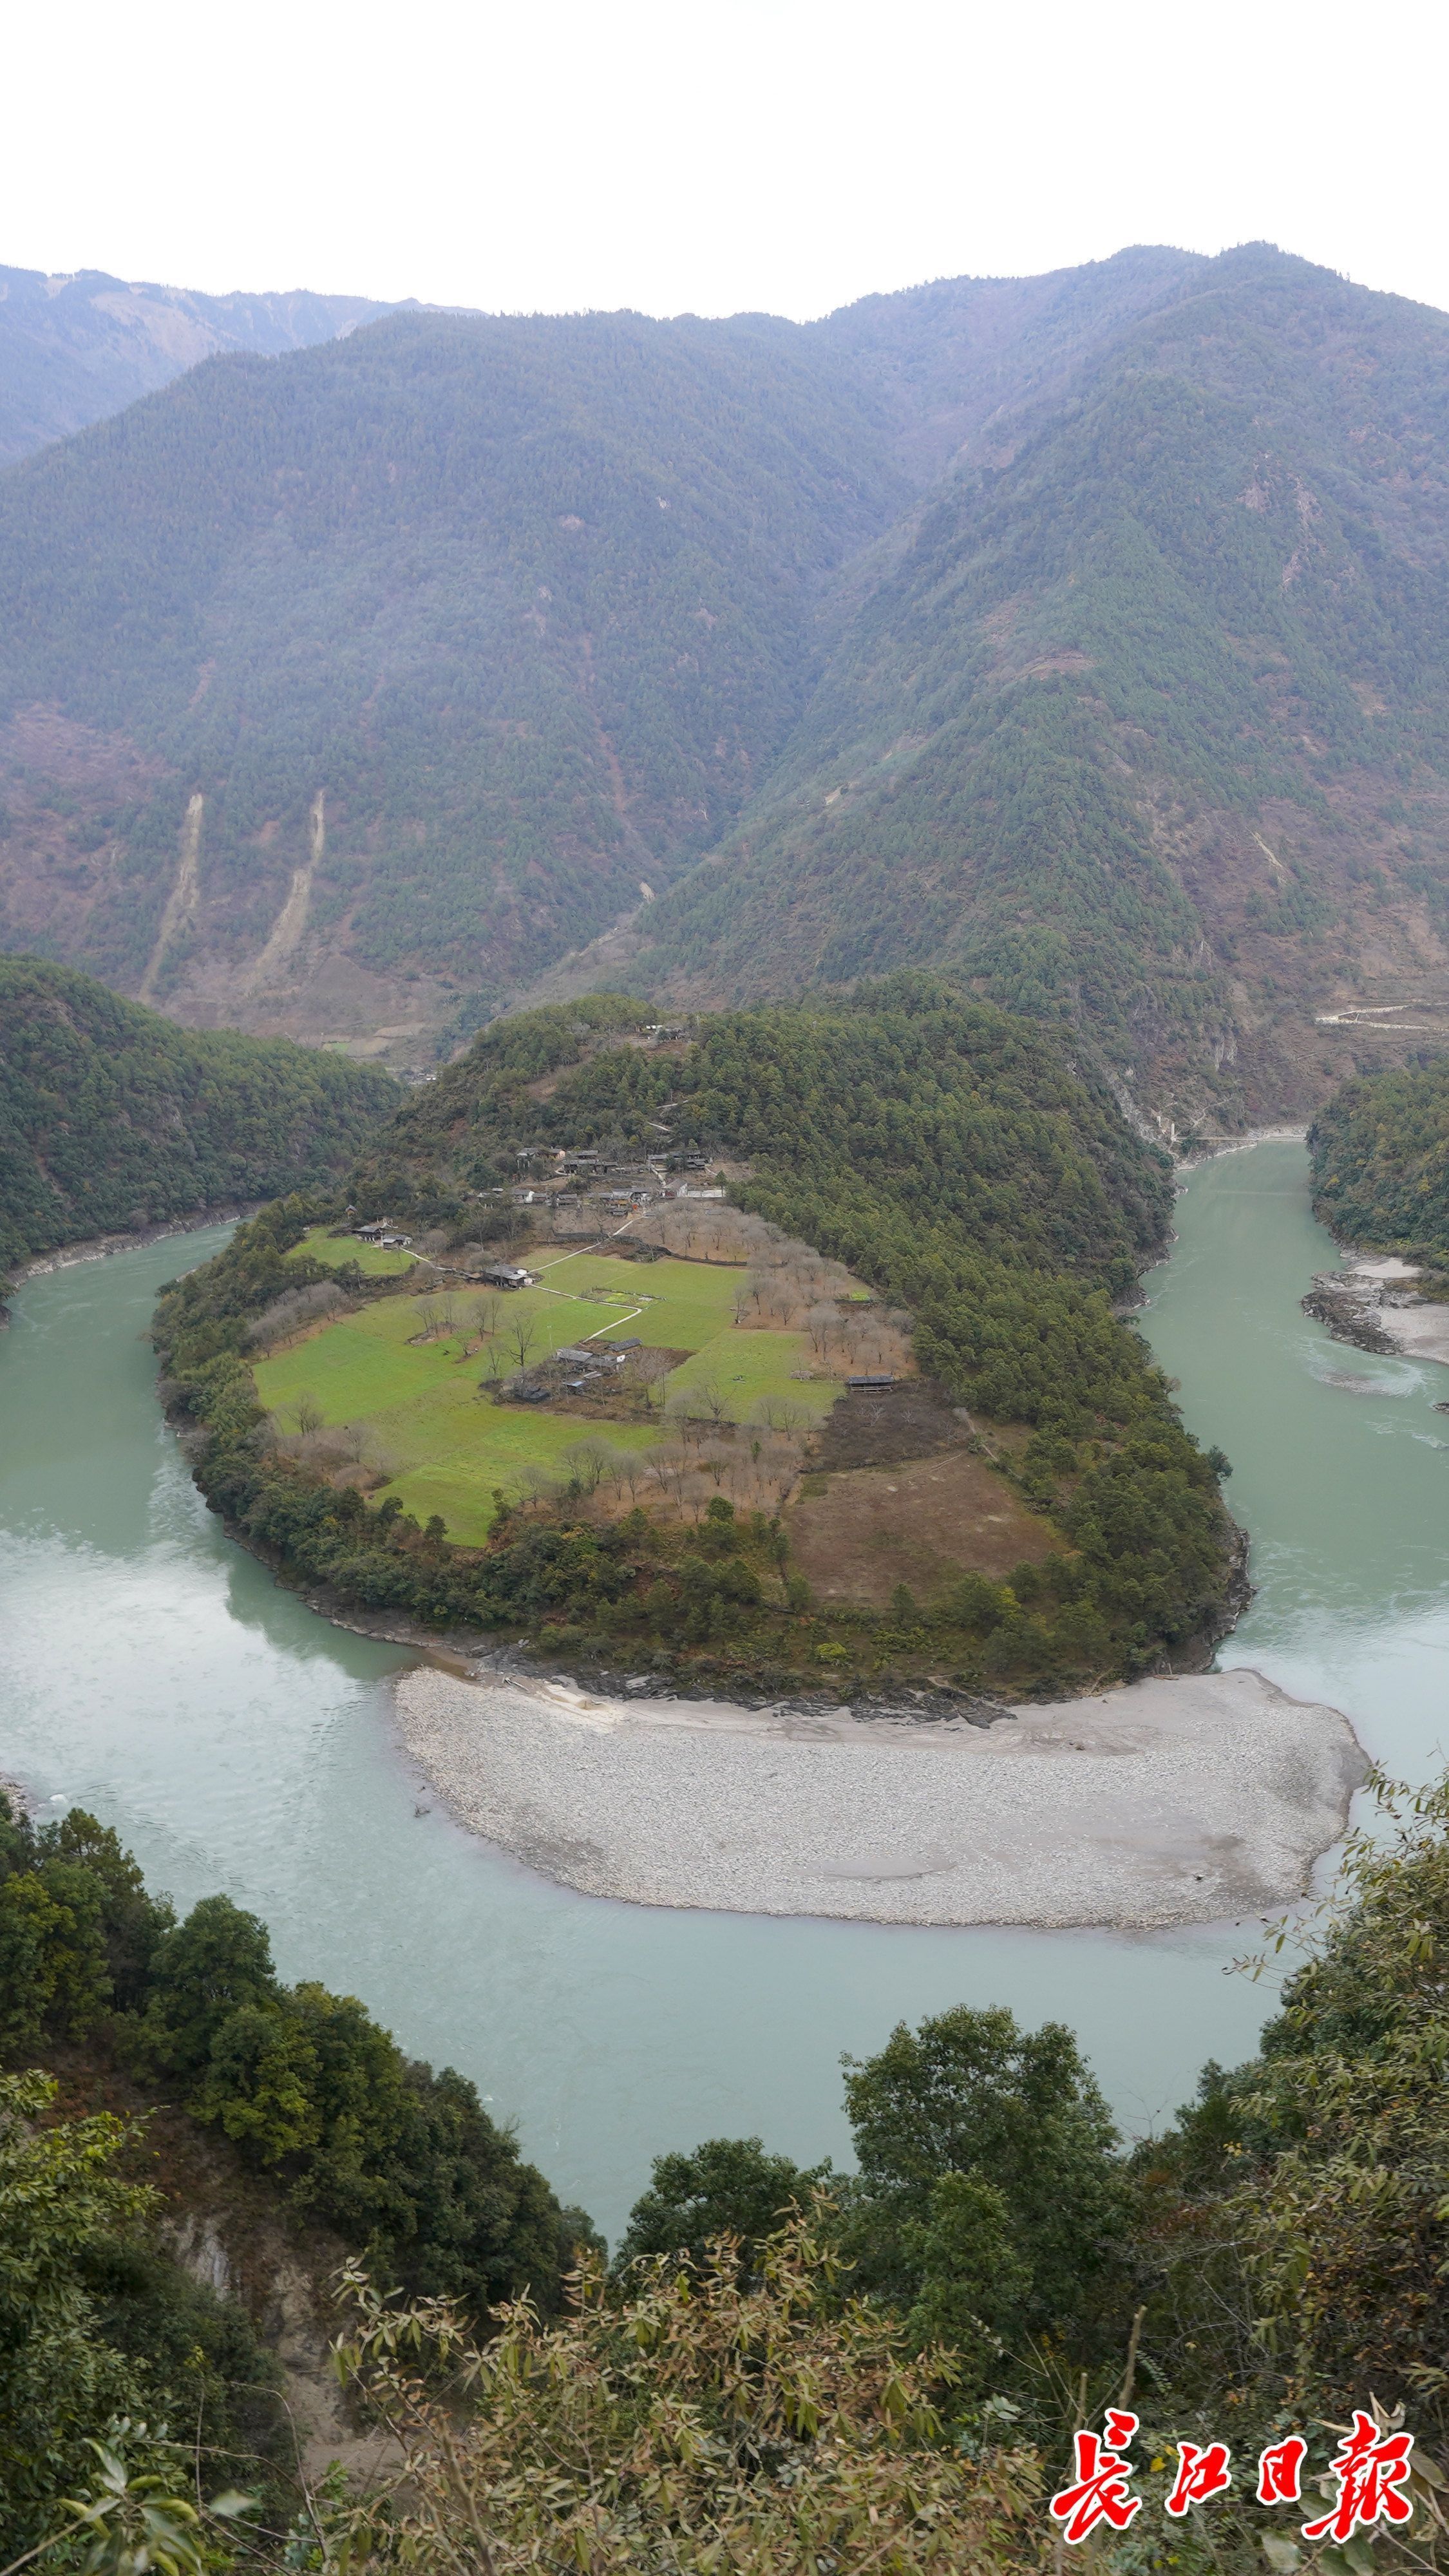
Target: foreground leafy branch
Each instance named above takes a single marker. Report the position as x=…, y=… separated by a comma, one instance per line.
x=694, y=2418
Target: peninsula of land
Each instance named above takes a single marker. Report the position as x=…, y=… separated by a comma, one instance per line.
x=1166, y=1802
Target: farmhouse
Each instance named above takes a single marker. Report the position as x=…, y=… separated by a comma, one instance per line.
x=500, y=1274
x=385, y=1235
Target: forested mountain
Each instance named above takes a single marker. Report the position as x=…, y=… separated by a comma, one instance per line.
x=1144, y=721
x=426, y=647
x=73, y=349
x=1082, y=634
x=110, y=1116
x=1380, y=1161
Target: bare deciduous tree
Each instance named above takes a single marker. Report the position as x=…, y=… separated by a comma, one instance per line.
x=821, y=1323
x=706, y=1401
x=587, y=1462
x=293, y=1312
x=782, y=1413
x=521, y=1334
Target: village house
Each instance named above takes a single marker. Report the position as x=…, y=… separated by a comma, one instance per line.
x=500, y=1274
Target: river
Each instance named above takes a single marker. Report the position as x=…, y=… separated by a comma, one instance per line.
x=153, y=1672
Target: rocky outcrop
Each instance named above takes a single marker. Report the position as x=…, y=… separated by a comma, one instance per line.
x=1379, y=1304
x=1351, y=1304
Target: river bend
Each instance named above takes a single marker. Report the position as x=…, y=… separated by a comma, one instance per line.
x=152, y=1671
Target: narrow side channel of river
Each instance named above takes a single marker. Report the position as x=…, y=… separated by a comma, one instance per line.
x=153, y=1672
x=1341, y=1464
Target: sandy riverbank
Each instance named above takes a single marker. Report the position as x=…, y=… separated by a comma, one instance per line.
x=1176, y=1801
x=1373, y=1303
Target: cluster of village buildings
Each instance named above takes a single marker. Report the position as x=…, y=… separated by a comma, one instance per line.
x=598, y=1181
x=613, y=1180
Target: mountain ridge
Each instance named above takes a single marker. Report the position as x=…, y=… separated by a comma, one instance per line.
x=1083, y=634
x=79, y=345
x=1083, y=699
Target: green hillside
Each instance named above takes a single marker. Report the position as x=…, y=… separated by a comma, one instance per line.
x=111, y=1117
x=1146, y=724
x=73, y=349
x=992, y=1199
x=1379, y=1154
x=903, y=1104
x=527, y=602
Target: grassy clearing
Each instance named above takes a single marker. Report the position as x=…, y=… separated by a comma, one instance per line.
x=450, y=1446
x=321, y=1244
x=749, y=1368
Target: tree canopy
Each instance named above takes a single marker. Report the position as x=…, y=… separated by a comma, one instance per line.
x=112, y=1117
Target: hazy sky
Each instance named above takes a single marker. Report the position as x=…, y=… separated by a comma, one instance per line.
x=711, y=155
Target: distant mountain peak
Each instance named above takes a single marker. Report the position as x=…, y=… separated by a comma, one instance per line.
x=78, y=345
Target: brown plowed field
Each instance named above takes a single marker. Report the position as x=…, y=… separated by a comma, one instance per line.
x=921, y=1523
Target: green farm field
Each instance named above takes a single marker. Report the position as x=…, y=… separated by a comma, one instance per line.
x=450, y=1446
x=319, y=1243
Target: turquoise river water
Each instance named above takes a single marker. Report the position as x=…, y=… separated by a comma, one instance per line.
x=151, y=1671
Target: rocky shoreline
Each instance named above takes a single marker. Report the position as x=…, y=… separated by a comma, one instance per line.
x=1374, y=1304
x=1165, y=1802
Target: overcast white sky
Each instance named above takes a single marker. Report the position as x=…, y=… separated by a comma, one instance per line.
x=711, y=155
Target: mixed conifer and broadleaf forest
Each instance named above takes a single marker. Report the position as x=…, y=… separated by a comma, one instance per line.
x=901, y=775
x=981, y=1204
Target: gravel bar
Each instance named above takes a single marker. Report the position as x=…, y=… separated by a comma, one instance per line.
x=1169, y=1801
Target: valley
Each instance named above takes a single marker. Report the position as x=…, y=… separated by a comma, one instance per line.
x=1081, y=634
x=741, y=1478
x=160, y=1676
